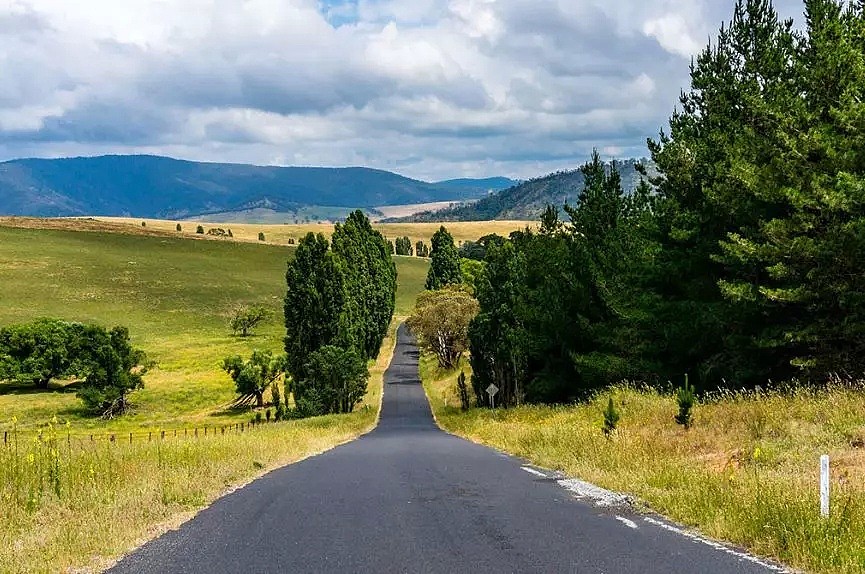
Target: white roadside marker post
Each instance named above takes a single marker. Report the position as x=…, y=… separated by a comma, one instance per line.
x=824, y=485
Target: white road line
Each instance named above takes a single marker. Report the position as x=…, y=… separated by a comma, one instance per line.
x=626, y=522
x=715, y=545
x=535, y=472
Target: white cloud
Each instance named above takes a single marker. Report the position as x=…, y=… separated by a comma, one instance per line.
x=429, y=88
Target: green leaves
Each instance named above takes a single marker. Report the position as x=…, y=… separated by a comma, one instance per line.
x=445, y=265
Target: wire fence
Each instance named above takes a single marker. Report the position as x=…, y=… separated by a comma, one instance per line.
x=196, y=432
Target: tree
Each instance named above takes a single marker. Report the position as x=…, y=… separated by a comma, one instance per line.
x=369, y=273
x=199, y=229
x=116, y=369
x=445, y=265
x=37, y=352
x=261, y=236
x=470, y=270
x=245, y=318
x=335, y=378
x=473, y=250
x=253, y=377
x=178, y=227
x=314, y=302
x=440, y=320
x=421, y=249
x=390, y=247
x=403, y=246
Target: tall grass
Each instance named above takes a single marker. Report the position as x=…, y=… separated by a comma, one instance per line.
x=747, y=471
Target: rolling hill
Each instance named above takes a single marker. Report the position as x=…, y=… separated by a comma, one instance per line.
x=526, y=201
x=153, y=186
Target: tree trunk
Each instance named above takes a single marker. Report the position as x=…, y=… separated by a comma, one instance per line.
x=259, y=399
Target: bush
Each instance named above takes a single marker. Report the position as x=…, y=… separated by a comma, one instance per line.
x=267, y=413
x=261, y=236
x=258, y=417
x=244, y=319
x=335, y=381
x=199, y=230
x=686, y=398
x=275, y=395
x=280, y=412
x=611, y=418
x=178, y=227
x=143, y=224
x=230, y=234
x=291, y=241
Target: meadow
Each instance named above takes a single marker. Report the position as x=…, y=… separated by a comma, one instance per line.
x=746, y=472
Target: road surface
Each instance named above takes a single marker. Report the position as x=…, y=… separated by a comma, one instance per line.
x=409, y=497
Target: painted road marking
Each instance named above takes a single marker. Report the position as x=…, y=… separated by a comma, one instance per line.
x=715, y=545
x=626, y=522
x=535, y=472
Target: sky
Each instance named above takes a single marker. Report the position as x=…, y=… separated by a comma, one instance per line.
x=431, y=89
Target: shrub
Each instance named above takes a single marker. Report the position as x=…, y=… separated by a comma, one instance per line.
x=611, y=418
x=335, y=381
x=291, y=241
x=178, y=227
x=686, y=398
x=267, y=413
x=258, y=417
x=261, y=236
x=275, y=395
x=200, y=229
x=143, y=224
x=463, y=390
x=280, y=412
x=230, y=234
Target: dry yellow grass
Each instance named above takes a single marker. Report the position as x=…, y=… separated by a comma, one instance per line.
x=280, y=234
x=746, y=472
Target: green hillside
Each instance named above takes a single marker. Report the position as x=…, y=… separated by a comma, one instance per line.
x=173, y=294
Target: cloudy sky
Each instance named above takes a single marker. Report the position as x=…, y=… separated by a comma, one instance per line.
x=428, y=88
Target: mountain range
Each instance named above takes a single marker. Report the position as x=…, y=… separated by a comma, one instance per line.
x=526, y=200
x=161, y=187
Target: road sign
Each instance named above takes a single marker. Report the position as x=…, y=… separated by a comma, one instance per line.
x=491, y=391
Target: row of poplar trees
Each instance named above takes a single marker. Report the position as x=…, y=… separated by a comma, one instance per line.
x=339, y=303
x=743, y=262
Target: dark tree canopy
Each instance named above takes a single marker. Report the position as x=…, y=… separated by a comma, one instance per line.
x=445, y=265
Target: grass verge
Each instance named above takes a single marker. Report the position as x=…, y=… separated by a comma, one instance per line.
x=746, y=472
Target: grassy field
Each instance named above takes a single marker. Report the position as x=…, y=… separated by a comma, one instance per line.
x=746, y=472
x=172, y=293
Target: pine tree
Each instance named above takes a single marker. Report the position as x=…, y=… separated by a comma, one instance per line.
x=445, y=265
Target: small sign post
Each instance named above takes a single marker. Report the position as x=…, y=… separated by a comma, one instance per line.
x=491, y=391
x=824, y=485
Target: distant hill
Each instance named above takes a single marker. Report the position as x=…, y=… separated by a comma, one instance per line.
x=527, y=200
x=160, y=187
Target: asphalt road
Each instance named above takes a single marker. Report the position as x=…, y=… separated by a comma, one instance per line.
x=409, y=497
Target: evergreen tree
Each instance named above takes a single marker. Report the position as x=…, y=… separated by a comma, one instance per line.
x=314, y=302
x=445, y=265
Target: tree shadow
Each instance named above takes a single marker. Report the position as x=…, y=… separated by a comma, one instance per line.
x=13, y=388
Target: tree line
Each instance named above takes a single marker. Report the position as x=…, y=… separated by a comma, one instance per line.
x=339, y=302
x=739, y=264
